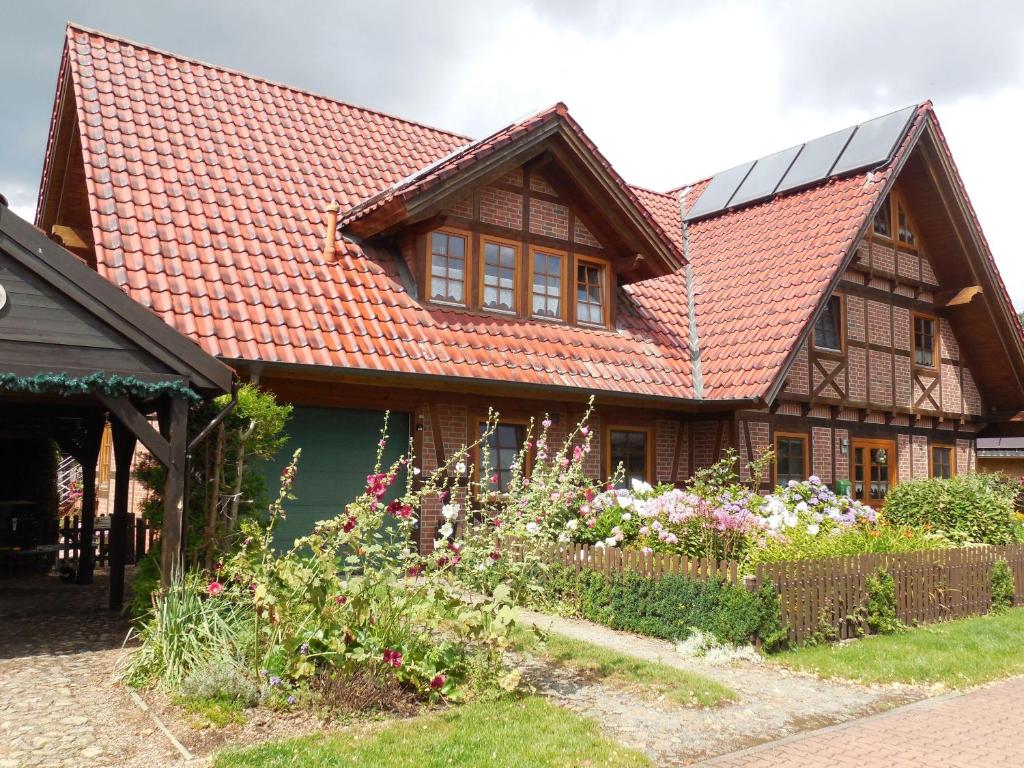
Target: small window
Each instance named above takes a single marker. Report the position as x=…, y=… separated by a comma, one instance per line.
x=546, y=293
x=448, y=268
x=924, y=341
x=499, y=274
x=904, y=230
x=828, y=329
x=790, y=458
x=628, y=448
x=942, y=461
x=883, y=219
x=503, y=447
x=590, y=307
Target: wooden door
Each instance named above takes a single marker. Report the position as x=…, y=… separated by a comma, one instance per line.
x=874, y=470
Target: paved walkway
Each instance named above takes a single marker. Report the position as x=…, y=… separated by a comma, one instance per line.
x=980, y=729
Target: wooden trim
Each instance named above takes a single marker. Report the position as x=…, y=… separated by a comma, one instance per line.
x=931, y=458
x=899, y=202
x=517, y=248
x=867, y=444
x=842, y=328
x=606, y=288
x=805, y=436
x=606, y=447
x=568, y=289
x=935, y=342
x=467, y=270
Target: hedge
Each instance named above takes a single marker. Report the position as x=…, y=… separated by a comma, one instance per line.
x=968, y=508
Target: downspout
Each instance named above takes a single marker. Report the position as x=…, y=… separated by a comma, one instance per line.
x=691, y=304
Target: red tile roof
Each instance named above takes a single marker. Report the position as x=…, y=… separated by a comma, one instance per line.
x=208, y=188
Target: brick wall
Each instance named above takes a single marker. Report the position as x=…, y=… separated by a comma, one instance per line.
x=583, y=236
x=821, y=453
x=797, y=380
x=548, y=218
x=919, y=456
x=501, y=207
x=842, y=459
x=665, y=435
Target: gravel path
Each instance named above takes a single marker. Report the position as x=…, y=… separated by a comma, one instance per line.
x=774, y=703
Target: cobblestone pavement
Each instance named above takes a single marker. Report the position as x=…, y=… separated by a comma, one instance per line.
x=59, y=706
x=979, y=729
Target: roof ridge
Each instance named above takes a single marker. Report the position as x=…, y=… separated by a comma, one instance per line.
x=249, y=76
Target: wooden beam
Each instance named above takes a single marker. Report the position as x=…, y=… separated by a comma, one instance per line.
x=86, y=453
x=958, y=298
x=124, y=449
x=175, y=427
x=122, y=409
x=71, y=237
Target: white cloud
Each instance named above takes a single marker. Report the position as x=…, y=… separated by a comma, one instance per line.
x=20, y=197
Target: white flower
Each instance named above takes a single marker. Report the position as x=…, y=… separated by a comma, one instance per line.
x=813, y=529
x=532, y=527
x=415, y=470
x=446, y=530
x=438, y=543
x=802, y=507
x=791, y=520
x=639, y=486
x=461, y=467
x=610, y=541
x=563, y=538
x=774, y=522
x=626, y=516
x=626, y=501
x=599, y=545
x=482, y=566
x=450, y=511
x=818, y=517
x=775, y=506
x=572, y=524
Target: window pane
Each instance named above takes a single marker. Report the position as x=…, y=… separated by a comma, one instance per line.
x=503, y=448
x=906, y=234
x=439, y=243
x=883, y=219
x=447, y=263
x=942, y=462
x=590, y=294
x=457, y=247
x=924, y=341
x=790, y=459
x=629, y=449
x=499, y=277
x=827, y=328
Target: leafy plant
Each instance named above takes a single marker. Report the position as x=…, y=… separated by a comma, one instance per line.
x=969, y=508
x=1003, y=588
x=881, y=604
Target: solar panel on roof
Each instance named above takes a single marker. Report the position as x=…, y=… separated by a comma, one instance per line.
x=874, y=141
x=765, y=176
x=816, y=161
x=717, y=193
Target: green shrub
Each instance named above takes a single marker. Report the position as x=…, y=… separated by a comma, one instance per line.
x=220, y=680
x=669, y=607
x=965, y=508
x=881, y=606
x=1003, y=588
x=144, y=583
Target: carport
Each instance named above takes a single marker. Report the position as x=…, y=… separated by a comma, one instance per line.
x=75, y=351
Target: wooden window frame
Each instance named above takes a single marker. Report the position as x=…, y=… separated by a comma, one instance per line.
x=564, y=256
x=481, y=421
x=806, y=437
x=517, y=247
x=606, y=290
x=931, y=458
x=891, y=237
x=899, y=202
x=467, y=273
x=606, y=448
x=894, y=464
x=914, y=316
x=842, y=328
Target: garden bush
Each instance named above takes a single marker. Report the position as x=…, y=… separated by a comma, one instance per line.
x=1003, y=588
x=881, y=604
x=669, y=607
x=970, y=508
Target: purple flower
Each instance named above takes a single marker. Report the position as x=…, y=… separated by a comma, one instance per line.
x=275, y=681
x=304, y=649
x=291, y=699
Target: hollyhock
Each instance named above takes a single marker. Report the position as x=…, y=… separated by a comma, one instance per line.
x=437, y=681
x=214, y=588
x=393, y=658
x=350, y=523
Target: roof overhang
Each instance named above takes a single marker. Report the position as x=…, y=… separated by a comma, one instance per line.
x=571, y=163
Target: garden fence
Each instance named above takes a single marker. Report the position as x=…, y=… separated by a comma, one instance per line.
x=828, y=595
x=139, y=539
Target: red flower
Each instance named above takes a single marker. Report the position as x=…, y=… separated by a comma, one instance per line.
x=437, y=681
x=414, y=571
x=497, y=522
x=393, y=658
x=214, y=588
x=341, y=600
x=495, y=555
x=589, y=493
x=350, y=523
x=494, y=479
x=399, y=509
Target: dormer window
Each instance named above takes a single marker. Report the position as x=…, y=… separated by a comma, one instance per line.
x=448, y=267
x=883, y=220
x=591, y=286
x=499, y=276
x=904, y=230
x=547, y=283
x=892, y=217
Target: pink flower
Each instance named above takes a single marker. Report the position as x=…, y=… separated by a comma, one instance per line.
x=546, y=423
x=437, y=681
x=494, y=479
x=577, y=452
x=393, y=658
x=214, y=588
x=341, y=600
x=350, y=523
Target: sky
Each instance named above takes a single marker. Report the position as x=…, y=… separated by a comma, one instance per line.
x=670, y=90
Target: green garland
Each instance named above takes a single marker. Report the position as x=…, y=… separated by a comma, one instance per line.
x=95, y=383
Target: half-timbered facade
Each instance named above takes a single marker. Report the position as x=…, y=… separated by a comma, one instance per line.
x=354, y=262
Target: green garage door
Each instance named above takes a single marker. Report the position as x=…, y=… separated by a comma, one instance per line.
x=339, y=448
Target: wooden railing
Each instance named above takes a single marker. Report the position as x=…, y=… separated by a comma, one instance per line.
x=139, y=539
x=827, y=596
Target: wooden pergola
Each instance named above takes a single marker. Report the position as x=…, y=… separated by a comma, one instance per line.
x=75, y=351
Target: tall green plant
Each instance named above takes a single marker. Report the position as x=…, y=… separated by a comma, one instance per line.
x=969, y=508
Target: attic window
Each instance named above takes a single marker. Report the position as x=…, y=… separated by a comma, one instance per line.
x=904, y=229
x=499, y=276
x=883, y=220
x=546, y=284
x=591, y=284
x=828, y=328
x=448, y=267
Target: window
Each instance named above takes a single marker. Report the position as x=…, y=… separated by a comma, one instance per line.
x=546, y=285
x=790, y=457
x=883, y=219
x=628, y=447
x=828, y=332
x=904, y=231
x=503, y=447
x=942, y=461
x=499, y=276
x=590, y=288
x=448, y=267
x=924, y=341
x=872, y=476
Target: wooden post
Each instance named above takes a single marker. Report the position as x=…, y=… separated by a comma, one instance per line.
x=124, y=449
x=87, y=454
x=174, y=427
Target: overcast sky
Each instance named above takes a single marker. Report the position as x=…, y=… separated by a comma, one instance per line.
x=670, y=91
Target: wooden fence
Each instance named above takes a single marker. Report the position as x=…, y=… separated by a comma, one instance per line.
x=828, y=594
x=139, y=539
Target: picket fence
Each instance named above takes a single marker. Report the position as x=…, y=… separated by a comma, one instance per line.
x=828, y=594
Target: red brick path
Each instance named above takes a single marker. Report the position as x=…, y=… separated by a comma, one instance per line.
x=980, y=729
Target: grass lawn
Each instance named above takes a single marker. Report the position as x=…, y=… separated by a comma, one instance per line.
x=957, y=654
x=523, y=733
x=645, y=678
